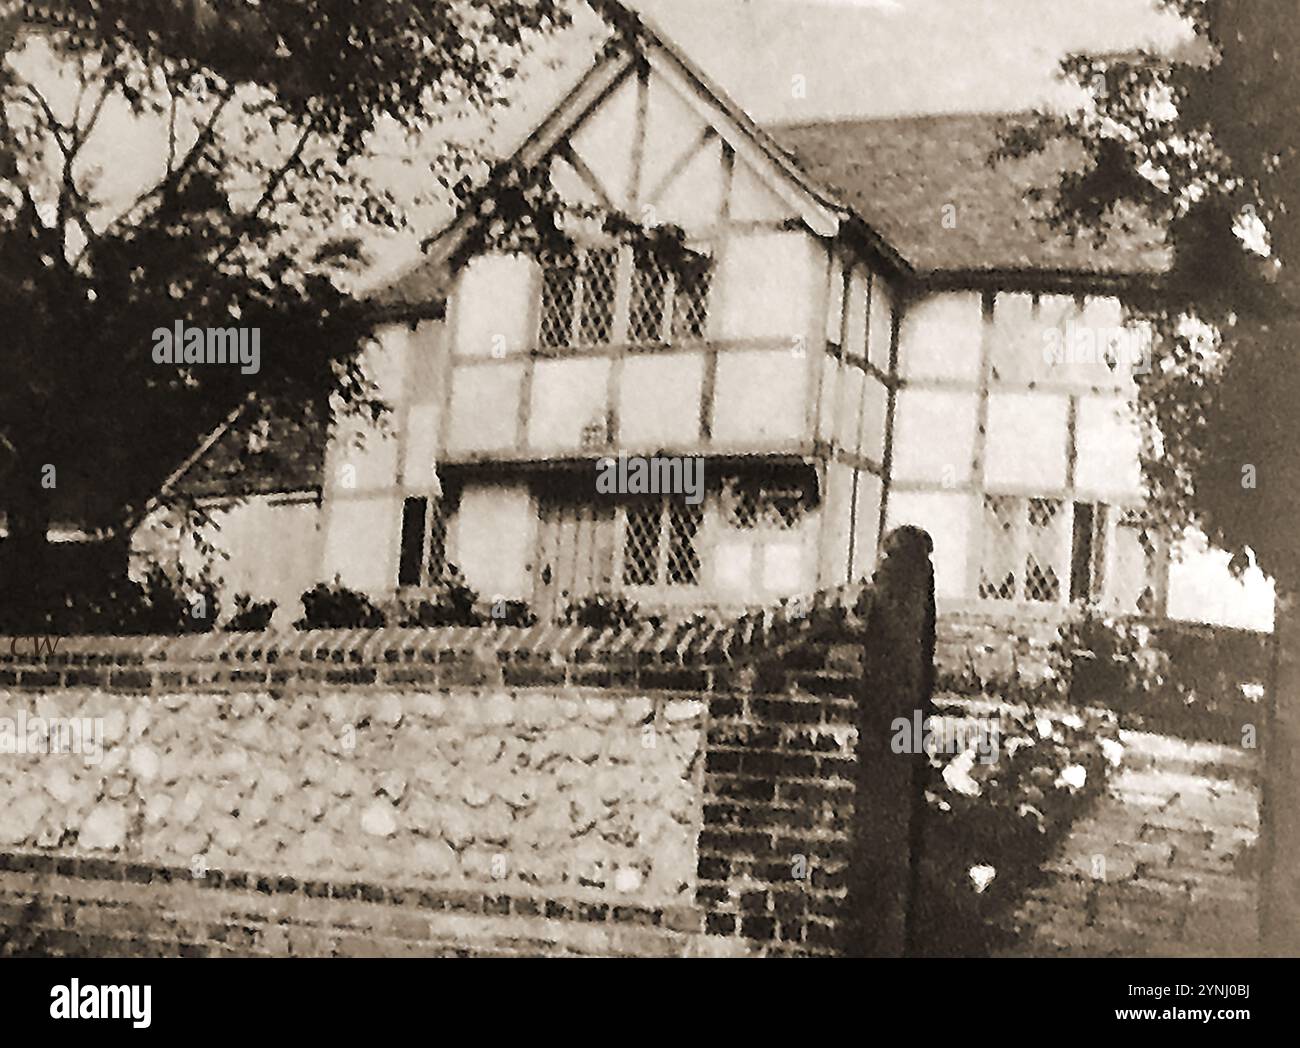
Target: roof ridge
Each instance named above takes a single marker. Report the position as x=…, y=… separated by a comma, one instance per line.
x=897, y=118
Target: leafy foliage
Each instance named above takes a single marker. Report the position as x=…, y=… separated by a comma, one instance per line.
x=516, y=209
x=335, y=607
x=157, y=604
x=250, y=616
x=454, y=604
x=265, y=113
x=1203, y=143
x=515, y=613
x=990, y=826
x=1194, y=683
x=603, y=612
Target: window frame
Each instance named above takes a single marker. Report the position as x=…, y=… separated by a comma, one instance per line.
x=673, y=305
x=662, y=581
x=1098, y=575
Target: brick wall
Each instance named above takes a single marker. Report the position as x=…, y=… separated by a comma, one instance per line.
x=1207, y=684
x=684, y=791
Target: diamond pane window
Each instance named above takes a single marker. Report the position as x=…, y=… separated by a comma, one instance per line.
x=739, y=504
x=1135, y=559
x=747, y=505
x=1044, y=546
x=599, y=292
x=691, y=302
x=559, y=292
x=784, y=509
x=641, y=544
x=660, y=543
x=650, y=288
x=615, y=295
x=1048, y=551
x=436, y=561
x=683, y=568
x=998, y=566
x=423, y=560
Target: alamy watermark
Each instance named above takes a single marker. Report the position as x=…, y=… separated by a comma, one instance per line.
x=183, y=344
x=72, y=1000
x=54, y=736
x=1114, y=347
x=935, y=735
x=656, y=475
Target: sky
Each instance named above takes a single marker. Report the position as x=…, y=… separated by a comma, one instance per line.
x=891, y=57
x=782, y=60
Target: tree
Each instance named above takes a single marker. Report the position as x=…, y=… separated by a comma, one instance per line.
x=265, y=114
x=1204, y=145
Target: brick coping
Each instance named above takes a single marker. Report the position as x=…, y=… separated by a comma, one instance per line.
x=693, y=644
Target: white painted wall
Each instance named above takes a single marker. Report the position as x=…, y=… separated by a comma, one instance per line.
x=267, y=547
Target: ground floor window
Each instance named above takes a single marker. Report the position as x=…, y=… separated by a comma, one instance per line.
x=1025, y=552
x=661, y=543
x=748, y=504
x=1053, y=551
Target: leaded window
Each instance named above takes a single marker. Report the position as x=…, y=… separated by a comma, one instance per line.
x=612, y=296
x=661, y=543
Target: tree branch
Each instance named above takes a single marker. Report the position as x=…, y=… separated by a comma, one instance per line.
x=191, y=157
x=71, y=200
x=272, y=187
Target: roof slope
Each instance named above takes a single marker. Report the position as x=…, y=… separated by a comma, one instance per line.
x=898, y=175
x=288, y=455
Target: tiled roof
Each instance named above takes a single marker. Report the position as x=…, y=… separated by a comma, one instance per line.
x=264, y=451
x=899, y=175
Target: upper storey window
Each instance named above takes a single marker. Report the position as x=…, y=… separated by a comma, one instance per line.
x=623, y=296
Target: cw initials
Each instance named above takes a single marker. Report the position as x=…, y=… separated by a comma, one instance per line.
x=40, y=646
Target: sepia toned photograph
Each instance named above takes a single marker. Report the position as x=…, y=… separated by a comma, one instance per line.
x=661, y=479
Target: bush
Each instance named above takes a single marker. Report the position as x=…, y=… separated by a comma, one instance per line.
x=602, y=612
x=335, y=607
x=158, y=604
x=250, y=617
x=1099, y=659
x=1194, y=682
x=989, y=828
x=165, y=606
x=454, y=603
x=512, y=613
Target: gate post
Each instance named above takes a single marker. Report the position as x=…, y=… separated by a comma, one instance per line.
x=889, y=800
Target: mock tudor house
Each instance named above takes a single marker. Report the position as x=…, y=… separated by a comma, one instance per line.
x=879, y=331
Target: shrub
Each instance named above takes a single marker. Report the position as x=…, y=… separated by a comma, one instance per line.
x=250, y=617
x=512, y=613
x=1195, y=682
x=1099, y=658
x=173, y=606
x=602, y=612
x=989, y=828
x=157, y=604
x=455, y=603
x=335, y=607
